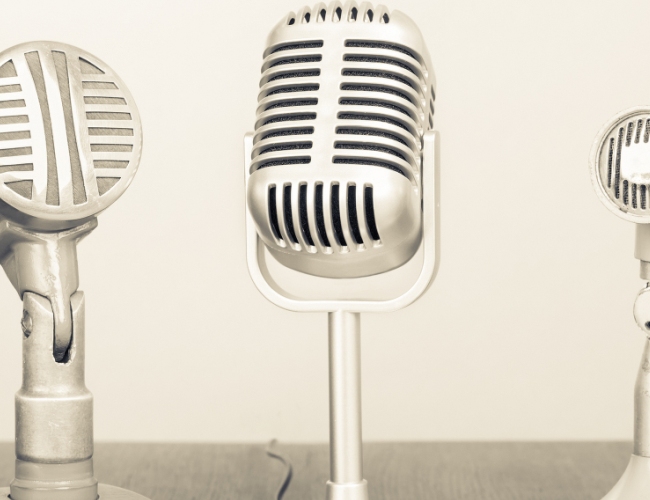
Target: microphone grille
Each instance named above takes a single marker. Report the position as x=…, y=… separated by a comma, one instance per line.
x=346, y=94
x=620, y=165
x=342, y=84
x=70, y=134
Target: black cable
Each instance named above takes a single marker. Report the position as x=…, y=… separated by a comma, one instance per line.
x=284, y=486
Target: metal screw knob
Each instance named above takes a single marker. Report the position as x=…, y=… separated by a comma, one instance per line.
x=26, y=323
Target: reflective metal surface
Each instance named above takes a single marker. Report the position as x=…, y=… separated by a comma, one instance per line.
x=70, y=143
x=346, y=453
x=346, y=95
x=45, y=263
x=620, y=164
x=342, y=181
x=620, y=172
x=70, y=135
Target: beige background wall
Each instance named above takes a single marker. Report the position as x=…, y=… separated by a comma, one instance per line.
x=527, y=332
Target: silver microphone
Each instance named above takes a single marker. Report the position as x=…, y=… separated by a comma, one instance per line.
x=342, y=182
x=70, y=144
x=346, y=95
x=620, y=171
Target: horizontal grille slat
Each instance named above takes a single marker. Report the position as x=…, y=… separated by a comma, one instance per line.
x=380, y=60
x=285, y=161
x=98, y=85
x=9, y=120
x=294, y=88
x=295, y=102
x=111, y=148
x=370, y=147
x=4, y=89
x=295, y=74
x=14, y=103
x=294, y=131
x=374, y=163
x=358, y=116
x=377, y=74
x=373, y=88
x=367, y=102
x=19, y=167
x=15, y=152
x=358, y=131
x=298, y=46
x=286, y=147
x=110, y=131
x=12, y=136
x=297, y=60
x=379, y=45
x=287, y=118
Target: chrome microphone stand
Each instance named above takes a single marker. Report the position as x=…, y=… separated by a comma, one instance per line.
x=619, y=164
x=54, y=409
x=346, y=454
x=635, y=482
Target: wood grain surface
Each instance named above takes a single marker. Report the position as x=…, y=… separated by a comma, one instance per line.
x=395, y=471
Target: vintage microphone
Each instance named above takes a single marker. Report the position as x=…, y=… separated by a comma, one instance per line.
x=70, y=144
x=620, y=171
x=341, y=179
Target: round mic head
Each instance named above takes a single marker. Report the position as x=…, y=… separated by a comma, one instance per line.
x=620, y=165
x=346, y=94
x=70, y=135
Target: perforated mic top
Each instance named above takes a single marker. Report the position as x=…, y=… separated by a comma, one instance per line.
x=620, y=164
x=70, y=133
x=346, y=94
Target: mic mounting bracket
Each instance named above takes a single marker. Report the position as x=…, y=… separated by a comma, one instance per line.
x=45, y=263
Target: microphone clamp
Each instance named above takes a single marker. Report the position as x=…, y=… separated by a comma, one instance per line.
x=45, y=263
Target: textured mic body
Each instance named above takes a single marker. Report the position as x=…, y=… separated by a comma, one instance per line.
x=346, y=94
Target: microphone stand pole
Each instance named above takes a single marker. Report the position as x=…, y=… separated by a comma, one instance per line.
x=346, y=454
x=635, y=482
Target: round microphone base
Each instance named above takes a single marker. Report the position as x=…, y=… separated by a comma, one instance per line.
x=105, y=491
x=337, y=491
x=635, y=481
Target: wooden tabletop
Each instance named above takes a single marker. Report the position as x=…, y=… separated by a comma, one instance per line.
x=395, y=471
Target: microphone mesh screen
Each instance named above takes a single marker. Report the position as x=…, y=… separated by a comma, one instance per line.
x=622, y=163
x=346, y=95
x=70, y=136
